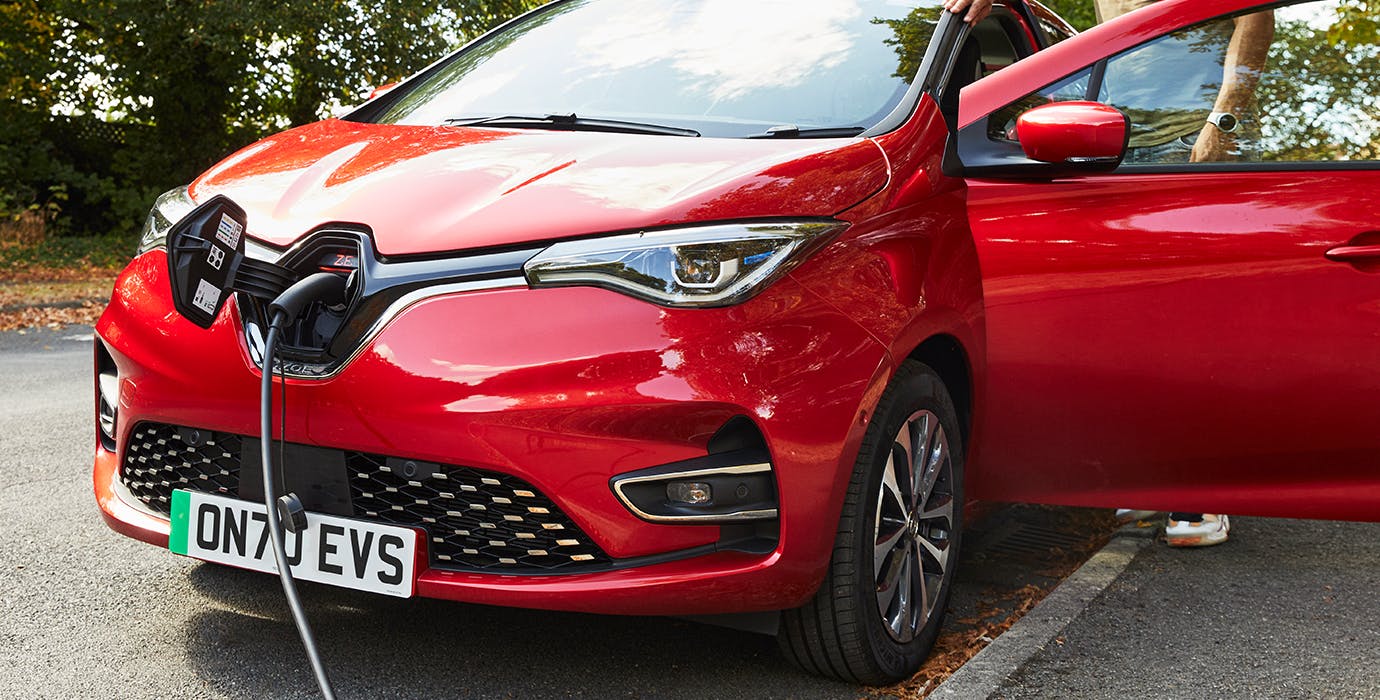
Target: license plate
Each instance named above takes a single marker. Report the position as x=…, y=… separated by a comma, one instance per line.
x=339, y=551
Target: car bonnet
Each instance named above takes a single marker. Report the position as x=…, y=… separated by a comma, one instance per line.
x=423, y=190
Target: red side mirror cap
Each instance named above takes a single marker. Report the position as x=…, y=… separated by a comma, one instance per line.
x=1074, y=133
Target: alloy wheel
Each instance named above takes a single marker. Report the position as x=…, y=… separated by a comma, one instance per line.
x=914, y=522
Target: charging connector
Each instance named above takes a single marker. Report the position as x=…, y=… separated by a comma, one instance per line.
x=206, y=261
x=285, y=309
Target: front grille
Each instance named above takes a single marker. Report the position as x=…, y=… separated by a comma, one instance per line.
x=161, y=458
x=475, y=520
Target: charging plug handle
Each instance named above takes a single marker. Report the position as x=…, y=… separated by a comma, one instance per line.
x=323, y=286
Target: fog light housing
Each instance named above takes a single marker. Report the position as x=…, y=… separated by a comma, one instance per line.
x=733, y=486
x=691, y=493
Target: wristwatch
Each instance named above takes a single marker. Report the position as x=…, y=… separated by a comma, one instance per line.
x=1226, y=121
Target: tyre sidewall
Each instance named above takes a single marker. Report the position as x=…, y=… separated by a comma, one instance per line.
x=915, y=388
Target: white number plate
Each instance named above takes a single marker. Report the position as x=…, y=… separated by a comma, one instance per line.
x=339, y=551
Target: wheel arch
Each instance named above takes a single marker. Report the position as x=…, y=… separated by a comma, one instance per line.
x=946, y=355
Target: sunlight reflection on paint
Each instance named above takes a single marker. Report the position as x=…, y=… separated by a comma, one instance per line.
x=786, y=46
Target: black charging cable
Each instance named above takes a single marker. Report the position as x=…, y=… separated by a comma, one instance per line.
x=284, y=310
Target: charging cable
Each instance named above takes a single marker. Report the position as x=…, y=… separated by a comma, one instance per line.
x=287, y=511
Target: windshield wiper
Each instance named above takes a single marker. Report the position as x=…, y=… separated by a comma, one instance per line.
x=791, y=131
x=571, y=122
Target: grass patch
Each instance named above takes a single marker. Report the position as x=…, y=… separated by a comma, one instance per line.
x=96, y=287
x=60, y=280
x=59, y=257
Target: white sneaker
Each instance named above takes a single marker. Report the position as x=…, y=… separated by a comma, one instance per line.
x=1212, y=529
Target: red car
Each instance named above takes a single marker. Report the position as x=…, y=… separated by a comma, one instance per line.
x=694, y=308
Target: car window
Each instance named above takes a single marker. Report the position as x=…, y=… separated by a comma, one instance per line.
x=721, y=67
x=998, y=41
x=1300, y=83
x=1003, y=38
x=1052, y=27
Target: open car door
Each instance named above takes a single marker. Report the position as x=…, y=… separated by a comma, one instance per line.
x=1189, y=320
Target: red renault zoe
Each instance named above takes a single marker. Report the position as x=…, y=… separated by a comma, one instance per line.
x=696, y=307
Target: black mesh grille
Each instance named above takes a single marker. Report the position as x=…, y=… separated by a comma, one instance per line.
x=160, y=458
x=474, y=520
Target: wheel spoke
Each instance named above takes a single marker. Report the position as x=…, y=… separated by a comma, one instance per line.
x=922, y=594
x=906, y=441
x=899, y=470
x=939, y=555
x=884, y=599
x=920, y=430
x=887, y=581
x=892, y=484
x=904, y=592
x=935, y=460
x=942, y=510
x=885, y=545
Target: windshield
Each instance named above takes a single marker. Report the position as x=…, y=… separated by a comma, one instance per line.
x=729, y=68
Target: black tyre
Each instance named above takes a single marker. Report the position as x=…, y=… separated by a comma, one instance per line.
x=879, y=609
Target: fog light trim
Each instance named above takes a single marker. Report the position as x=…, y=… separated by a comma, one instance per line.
x=644, y=492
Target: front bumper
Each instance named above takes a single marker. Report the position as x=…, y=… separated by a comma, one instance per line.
x=562, y=388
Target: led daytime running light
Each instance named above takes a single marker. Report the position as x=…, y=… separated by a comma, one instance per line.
x=703, y=266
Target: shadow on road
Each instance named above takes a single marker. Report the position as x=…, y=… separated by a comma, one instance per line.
x=244, y=645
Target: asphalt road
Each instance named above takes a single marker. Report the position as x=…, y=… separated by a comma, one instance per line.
x=1284, y=609
x=85, y=612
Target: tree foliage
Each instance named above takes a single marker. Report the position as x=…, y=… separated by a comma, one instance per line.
x=26, y=32
x=1320, y=95
x=1079, y=13
x=1358, y=23
x=192, y=81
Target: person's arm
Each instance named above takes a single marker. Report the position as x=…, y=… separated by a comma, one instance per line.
x=977, y=9
x=1241, y=69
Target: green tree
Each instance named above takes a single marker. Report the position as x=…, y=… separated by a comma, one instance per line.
x=209, y=76
x=1079, y=13
x=910, y=37
x=1358, y=23
x=1320, y=94
x=188, y=82
x=26, y=32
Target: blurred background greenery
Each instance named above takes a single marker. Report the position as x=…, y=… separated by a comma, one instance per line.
x=1079, y=13
x=104, y=104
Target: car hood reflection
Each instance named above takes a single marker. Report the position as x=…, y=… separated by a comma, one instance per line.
x=434, y=189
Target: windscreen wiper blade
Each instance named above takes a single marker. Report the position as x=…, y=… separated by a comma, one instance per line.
x=791, y=131
x=571, y=122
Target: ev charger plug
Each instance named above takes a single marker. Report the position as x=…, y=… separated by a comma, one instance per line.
x=288, y=510
x=206, y=262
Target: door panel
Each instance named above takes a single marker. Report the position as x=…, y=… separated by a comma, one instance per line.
x=1182, y=342
x=1198, y=330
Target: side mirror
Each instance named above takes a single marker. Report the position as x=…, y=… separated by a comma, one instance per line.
x=1088, y=134
x=381, y=90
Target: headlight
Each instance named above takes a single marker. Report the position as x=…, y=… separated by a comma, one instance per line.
x=168, y=209
x=701, y=266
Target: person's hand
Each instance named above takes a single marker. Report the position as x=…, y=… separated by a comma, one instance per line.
x=977, y=9
x=1213, y=145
